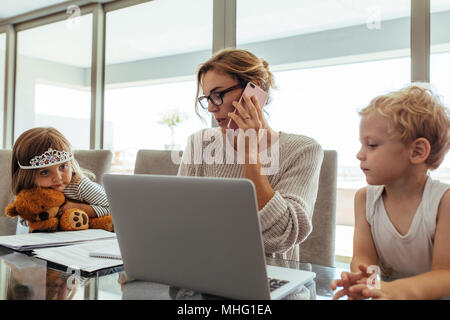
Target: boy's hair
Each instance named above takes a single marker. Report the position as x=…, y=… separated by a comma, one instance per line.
x=35, y=142
x=241, y=65
x=416, y=112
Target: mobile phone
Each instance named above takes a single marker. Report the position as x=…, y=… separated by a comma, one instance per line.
x=250, y=90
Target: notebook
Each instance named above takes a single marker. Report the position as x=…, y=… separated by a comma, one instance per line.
x=196, y=233
x=77, y=256
x=109, y=252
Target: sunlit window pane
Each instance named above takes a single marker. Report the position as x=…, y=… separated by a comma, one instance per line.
x=53, y=79
x=440, y=65
x=152, y=54
x=2, y=81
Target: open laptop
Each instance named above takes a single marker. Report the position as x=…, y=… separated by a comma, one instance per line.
x=195, y=233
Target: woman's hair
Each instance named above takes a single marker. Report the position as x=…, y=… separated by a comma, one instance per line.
x=35, y=142
x=416, y=112
x=241, y=65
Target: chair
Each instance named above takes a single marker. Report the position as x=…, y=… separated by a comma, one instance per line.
x=7, y=225
x=319, y=247
x=155, y=162
x=96, y=161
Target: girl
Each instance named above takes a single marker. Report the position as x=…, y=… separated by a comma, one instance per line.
x=286, y=196
x=42, y=157
x=402, y=219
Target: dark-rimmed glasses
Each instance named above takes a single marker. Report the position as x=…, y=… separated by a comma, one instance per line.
x=215, y=97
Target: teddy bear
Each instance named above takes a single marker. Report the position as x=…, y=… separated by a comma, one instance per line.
x=40, y=206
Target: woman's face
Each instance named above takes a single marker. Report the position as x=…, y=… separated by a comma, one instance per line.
x=215, y=82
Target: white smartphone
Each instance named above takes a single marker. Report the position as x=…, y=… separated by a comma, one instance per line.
x=250, y=90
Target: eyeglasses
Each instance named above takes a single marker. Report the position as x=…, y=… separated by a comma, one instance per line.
x=216, y=97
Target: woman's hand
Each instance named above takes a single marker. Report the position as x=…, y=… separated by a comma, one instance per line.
x=251, y=119
x=254, y=120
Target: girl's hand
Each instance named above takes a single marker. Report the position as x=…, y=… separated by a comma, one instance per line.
x=68, y=205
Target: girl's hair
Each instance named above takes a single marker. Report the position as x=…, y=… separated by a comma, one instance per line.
x=35, y=142
x=241, y=65
x=416, y=112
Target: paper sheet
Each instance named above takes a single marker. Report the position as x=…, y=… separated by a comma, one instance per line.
x=30, y=241
x=77, y=256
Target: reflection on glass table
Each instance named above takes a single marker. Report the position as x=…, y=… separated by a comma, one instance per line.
x=23, y=277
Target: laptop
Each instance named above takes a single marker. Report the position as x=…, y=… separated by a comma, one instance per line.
x=196, y=233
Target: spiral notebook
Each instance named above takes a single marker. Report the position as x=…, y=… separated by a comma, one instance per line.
x=112, y=251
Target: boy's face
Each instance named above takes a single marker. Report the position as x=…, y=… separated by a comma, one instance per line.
x=384, y=158
x=56, y=177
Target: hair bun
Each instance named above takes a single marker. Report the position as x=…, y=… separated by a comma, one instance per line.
x=264, y=63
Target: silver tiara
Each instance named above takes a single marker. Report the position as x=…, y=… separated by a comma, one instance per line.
x=47, y=159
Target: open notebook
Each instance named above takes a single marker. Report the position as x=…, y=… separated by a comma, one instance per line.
x=112, y=251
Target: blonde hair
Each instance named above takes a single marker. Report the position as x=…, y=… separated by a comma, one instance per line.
x=416, y=111
x=35, y=142
x=241, y=65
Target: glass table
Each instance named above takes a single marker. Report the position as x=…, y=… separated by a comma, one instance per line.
x=25, y=277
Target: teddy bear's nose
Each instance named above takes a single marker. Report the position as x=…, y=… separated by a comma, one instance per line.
x=43, y=215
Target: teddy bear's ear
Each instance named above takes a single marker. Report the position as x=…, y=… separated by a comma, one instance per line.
x=11, y=210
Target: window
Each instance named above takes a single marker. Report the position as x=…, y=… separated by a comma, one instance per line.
x=134, y=120
x=72, y=118
x=440, y=65
x=2, y=81
x=329, y=58
x=152, y=54
x=53, y=79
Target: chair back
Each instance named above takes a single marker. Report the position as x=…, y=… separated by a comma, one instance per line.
x=96, y=161
x=7, y=225
x=319, y=247
x=155, y=162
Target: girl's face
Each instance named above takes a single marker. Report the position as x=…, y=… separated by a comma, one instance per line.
x=214, y=82
x=56, y=177
x=384, y=158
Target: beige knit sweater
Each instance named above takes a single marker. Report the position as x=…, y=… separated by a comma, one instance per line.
x=286, y=218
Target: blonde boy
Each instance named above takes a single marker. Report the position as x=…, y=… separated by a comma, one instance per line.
x=402, y=218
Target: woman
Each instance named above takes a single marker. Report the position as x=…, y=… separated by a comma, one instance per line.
x=286, y=194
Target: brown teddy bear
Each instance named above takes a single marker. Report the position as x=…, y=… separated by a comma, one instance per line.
x=39, y=207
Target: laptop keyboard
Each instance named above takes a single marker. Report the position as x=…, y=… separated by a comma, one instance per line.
x=276, y=283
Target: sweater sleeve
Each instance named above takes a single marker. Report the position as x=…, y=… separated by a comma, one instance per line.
x=286, y=219
x=90, y=193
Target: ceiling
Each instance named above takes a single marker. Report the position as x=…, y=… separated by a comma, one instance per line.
x=12, y=8
x=168, y=27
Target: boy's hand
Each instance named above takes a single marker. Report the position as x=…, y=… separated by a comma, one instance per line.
x=349, y=279
x=386, y=291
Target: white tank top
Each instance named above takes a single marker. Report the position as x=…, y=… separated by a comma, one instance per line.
x=401, y=256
